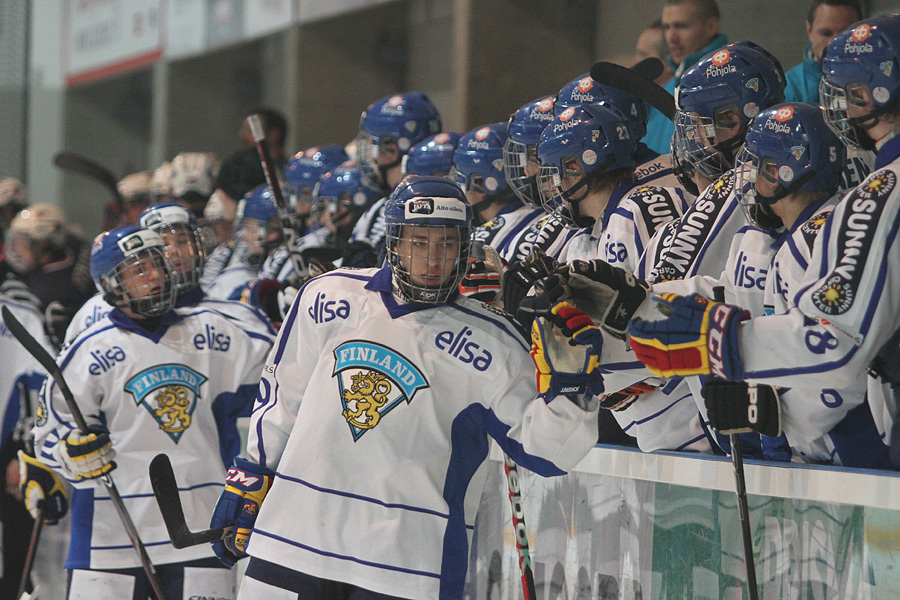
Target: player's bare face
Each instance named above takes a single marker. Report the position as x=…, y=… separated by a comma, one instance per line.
x=142, y=276
x=686, y=32
x=828, y=21
x=179, y=247
x=532, y=164
x=429, y=254
x=767, y=178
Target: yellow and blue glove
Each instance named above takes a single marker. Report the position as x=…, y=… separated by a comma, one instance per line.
x=87, y=455
x=697, y=337
x=565, y=347
x=246, y=485
x=41, y=488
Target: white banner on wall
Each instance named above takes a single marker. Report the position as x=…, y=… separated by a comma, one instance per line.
x=106, y=37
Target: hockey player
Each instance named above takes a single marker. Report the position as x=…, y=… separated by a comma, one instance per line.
x=148, y=379
x=393, y=368
x=302, y=175
x=389, y=127
x=135, y=190
x=846, y=309
x=497, y=213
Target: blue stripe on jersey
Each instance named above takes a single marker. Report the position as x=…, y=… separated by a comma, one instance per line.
x=82, y=507
x=498, y=430
x=796, y=253
x=657, y=413
x=468, y=449
x=227, y=407
x=263, y=397
x=690, y=443
x=346, y=557
x=515, y=230
x=638, y=244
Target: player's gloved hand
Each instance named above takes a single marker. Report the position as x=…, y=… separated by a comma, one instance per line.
x=520, y=277
x=246, y=485
x=609, y=295
x=41, y=488
x=626, y=397
x=697, y=337
x=481, y=282
x=741, y=407
x=87, y=456
x=565, y=347
x=57, y=317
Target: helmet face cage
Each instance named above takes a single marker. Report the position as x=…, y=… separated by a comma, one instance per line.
x=142, y=283
x=428, y=261
x=695, y=142
x=549, y=183
x=835, y=101
x=749, y=169
x=186, y=250
x=518, y=161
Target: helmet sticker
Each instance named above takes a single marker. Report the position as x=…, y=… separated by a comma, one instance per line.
x=585, y=84
x=589, y=157
x=784, y=114
x=785, y=173
x=721, y=57
x=797, y=151
x=395, y=101
x=440, y=208
x=441, y=138
x=482, y=133
x=751, y=109
x=880, y=94
x=861, y=33
x=567, y=114
x=753, y=84
x=886, y=67
x=546, y=104
x=490, y=184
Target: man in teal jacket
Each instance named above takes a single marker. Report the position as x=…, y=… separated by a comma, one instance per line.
x=692, y=31
x=826, y=19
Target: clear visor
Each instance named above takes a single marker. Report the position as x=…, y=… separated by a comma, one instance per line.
x=520, y=166
x=836, y=102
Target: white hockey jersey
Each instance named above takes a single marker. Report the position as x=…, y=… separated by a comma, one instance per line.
x=376, y=417
x=176, y=390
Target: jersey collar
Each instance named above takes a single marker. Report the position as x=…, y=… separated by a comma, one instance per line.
x=122, y=321
x=382, y=282
x=888, y=153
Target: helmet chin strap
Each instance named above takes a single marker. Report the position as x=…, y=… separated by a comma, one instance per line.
x=578, y=219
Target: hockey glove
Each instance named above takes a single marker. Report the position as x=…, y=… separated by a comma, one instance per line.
x=739, y=407
x=609, y=295
x=41, y=488
x=246, y=485
x=697, y=337
x=263, y=294
x=480, y=282
x=624, y=398
x=87, y=456
x=519, y=278
x=565, y=347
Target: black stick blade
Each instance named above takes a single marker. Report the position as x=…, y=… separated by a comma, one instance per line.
x=636, y=84
x=165, y=488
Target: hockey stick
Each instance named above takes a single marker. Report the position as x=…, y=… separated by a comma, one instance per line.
x=291, y=236
x=32, y=549
x=87, y=167
x=740, y=483
x=43, y=357
x=518, y=520
x=165, y=488
x=636, y=83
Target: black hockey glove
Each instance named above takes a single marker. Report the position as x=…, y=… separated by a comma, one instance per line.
x=520, y=277
x=739, y=407
x=609, y=295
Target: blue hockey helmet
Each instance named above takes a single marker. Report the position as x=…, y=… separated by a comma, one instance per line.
x=129, y=265
x=432, y=156
x=520, y=162
x=478, y=160
x=344, y=193
x=400, y=120
x=580, y=145
x=788, y=149
x=428, y=238
x=304, y=170
x=861, y=65
x=718, y=97
x=585, y=90
x=183, y=239
x=258, y=223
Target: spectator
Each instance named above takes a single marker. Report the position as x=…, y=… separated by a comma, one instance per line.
x=692, y=30
x=275, y=129
x=652, y=43
x=825, y=20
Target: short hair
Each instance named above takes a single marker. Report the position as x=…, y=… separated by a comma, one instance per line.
x=707, y=9
x=272, y=119
x=853, y=4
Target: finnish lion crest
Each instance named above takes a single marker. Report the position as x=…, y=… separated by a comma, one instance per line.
x=169, y=393
x=372, y=381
